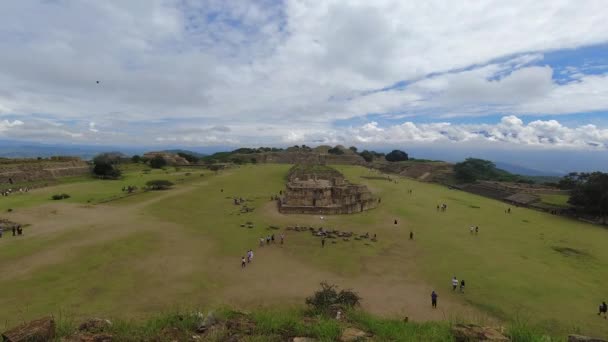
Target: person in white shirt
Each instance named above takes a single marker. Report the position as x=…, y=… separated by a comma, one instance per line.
x=454, y=283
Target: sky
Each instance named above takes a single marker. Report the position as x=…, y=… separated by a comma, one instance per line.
x=509, y=79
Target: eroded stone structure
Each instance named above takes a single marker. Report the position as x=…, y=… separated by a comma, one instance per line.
x=29, y=170
x=319, y=189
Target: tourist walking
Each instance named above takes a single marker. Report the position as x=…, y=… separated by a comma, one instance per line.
x=395, y=221
x=411, y=235
x=261, y=242
x=476, y=229
x=249, y=256
x=268, y=240
x=603, y=309
x=471, y=228
x=282, y=238
x=322, y=242
x=243, y=263
x=1, y=231
x=454, y=283
x=462, y=285
x=272, y=238
x=434, y=299
x=14, y=230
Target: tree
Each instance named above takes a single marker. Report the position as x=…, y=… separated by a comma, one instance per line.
x=473, y=169
x=158, y=162
x=336, y=150
x=396, y=155
x=353, y=148
x=590, y=193
x=104, y=167
x=159, y=184
x=136, y=159
x=569, y=181
x=367, y=156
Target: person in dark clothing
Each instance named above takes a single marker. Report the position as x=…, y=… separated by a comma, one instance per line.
x=434, y=299
x=395, y=221
x=323, y=242
x=462, y=285
x=14, y=229
x=411, y=235
x=603, y=309
x=272, y=238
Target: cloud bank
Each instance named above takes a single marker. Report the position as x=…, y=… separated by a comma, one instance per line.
x=301, y=71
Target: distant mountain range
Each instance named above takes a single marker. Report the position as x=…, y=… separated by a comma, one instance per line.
x=524, y=171
x=192, y=153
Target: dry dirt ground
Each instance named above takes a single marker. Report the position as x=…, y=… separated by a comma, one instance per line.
x=181, y=268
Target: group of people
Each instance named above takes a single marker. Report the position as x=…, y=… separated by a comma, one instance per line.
x=249, y=259
x=271, y=239
x=8, y=192
x=455, y=284
x=474, y=229
x=442, y=207
x=17, y=230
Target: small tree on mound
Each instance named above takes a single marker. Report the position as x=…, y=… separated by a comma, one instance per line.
x=329, y=296
x=159, y=184
x=105, y=169
x=396, y=155
x=336, y=150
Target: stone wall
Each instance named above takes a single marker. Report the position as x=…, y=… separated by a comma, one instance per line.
x=302, y=158
x=323, y=190
x=16, y=171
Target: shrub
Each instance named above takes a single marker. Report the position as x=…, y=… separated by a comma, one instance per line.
x=106, y=170
x=396, y=155
x=159, y=184
x=328, y=297
x=58, y=197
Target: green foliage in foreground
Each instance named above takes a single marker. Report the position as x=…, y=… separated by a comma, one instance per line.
x=284, y=324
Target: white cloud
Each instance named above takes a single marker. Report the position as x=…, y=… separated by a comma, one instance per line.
x=92, y=127
x=5, y=124
x=510, y=131
x=295, y=67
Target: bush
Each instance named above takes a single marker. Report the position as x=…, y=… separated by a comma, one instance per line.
x=58, y=197
x=159, y=184
x=396, y=155
x=106, y=170
x=328, y=297
x=158, y=162
x=336, y=150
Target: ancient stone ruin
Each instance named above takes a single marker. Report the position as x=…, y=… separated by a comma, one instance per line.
x=319, y=189
x=30, y=170
x=171, y=158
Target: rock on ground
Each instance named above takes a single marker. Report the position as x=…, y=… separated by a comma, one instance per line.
x=95, y=325
x=471, y=332
x=89, y=337
x=42, y=329
x=581, y=338
x=353, y=334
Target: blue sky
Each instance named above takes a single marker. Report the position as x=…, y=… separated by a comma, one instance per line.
x=505, y=76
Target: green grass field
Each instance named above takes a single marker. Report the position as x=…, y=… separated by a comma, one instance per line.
x=181, y=249
x=555, y=200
